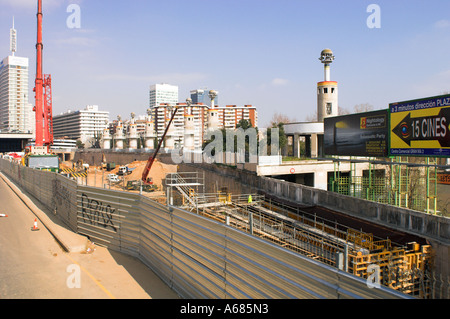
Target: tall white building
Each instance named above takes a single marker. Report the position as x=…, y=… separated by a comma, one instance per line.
x=163, y=93
x=83, y=125
x=16, y=114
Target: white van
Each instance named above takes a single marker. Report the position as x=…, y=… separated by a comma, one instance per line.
x=113, y=178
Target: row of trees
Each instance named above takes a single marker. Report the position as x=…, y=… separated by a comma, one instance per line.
x=247, y=138
x=277, y=121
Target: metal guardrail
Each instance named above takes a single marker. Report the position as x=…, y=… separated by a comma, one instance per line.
x=196, y=256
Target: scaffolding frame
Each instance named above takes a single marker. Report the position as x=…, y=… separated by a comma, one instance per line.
x=398, y=191
x=404, y=268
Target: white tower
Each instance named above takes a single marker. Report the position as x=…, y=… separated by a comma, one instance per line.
x=327, y=90
x=133, y=136
x=213, y=113
x=189, y=132
x=213, y=120
x=189, y=129
x=170, y=136
x=106, y=138
x=119, y=136
x=149, y=131
x=212, y=96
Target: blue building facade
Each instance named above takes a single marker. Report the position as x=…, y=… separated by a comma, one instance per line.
x=202, y=96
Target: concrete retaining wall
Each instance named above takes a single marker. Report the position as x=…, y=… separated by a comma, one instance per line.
x=425, y=225
x=435, y=229
x=94, y=156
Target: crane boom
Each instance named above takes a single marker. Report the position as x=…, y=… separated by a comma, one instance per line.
x=42, y=89
x=38, y=88
x=150, y=161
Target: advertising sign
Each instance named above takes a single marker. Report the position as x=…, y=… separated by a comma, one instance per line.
x=362, y=134
x=420, y=127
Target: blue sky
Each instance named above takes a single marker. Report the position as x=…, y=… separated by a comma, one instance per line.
x=259, y=52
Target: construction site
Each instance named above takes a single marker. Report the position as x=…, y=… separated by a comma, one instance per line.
x=403, y=261
x=330, y=237
x=385, y=245
x=130, y=180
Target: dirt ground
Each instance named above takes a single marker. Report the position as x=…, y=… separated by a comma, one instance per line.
x=98, y=177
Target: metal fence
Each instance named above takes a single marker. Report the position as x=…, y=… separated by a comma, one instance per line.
x=399, y=193
x=196, y=256
x=55, y=192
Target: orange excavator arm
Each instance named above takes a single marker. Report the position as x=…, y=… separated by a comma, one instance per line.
x=152, y=158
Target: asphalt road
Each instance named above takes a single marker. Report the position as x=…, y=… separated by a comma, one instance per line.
x=34, y=266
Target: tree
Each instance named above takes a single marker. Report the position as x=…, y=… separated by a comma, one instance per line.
x=343, y=111
x=282, y=139
x=244, y=124
x=280, y=118
x=311, y=117
x=97, y=140
x=364, y=107
x=80, y=144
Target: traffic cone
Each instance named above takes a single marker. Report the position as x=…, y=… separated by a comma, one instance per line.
x=35, y=225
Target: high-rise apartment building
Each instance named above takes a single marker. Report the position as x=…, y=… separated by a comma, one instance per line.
x=16, y=114
x=161, y=116
x=228, y=118
x=231, y=115
x=163, y=93
x=83, y=125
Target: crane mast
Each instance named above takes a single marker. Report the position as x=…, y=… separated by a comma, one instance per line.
x=43, y=96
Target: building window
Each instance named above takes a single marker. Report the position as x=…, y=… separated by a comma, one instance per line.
x=325, y=90
x=329, y=108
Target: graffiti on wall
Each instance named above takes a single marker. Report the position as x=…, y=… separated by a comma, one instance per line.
x=61, y=195
x=98, y=213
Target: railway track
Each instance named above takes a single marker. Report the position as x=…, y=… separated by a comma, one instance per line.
x=343, y=221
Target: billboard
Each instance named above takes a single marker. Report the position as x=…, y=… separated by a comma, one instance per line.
x=420, y=127
x=362, y=134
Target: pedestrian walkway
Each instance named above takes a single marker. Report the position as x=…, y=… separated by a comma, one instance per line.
x=118, y=275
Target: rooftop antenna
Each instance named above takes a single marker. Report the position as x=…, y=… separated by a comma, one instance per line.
x=13, y=40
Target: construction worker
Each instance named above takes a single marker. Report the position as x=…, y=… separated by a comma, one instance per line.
x=250, y=199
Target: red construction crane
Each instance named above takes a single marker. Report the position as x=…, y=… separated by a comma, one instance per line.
x=150, y=161
x=43, y=91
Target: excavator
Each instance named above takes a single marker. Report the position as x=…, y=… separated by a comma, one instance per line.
x=146, y=181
